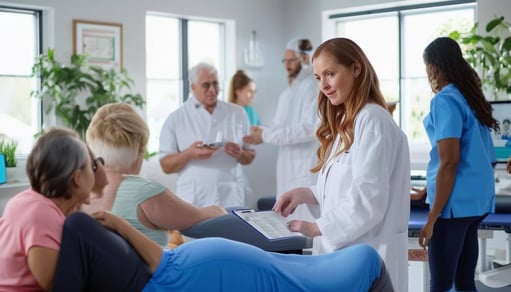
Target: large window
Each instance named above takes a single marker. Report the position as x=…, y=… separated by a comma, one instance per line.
x=173, y=45
x=394, y=40
x=19, y=113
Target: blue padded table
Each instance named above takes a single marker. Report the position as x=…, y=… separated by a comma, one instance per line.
x=501, y=220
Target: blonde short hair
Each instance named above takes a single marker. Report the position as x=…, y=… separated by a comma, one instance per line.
x=118, y=134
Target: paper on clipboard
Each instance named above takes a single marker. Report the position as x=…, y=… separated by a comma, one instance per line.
x=269, y=223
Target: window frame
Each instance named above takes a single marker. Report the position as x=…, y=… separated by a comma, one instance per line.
x=40, y=14
x=227, y=62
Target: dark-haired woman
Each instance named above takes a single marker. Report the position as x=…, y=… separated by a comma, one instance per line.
x=460, y=180
x=62, y=175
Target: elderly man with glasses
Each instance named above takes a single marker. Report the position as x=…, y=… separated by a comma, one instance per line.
x=202, y=141
x=293, y=128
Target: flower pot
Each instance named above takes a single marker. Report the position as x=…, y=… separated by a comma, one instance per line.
x=11, y=174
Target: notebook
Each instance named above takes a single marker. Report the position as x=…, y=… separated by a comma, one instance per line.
x=270, y=224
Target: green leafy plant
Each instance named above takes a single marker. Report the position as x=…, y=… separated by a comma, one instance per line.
x=8, y=148
x=490, y=53
x=77, y=91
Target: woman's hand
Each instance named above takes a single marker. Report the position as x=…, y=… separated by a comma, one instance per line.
x=425, y=234
x=306, y=228
x=419, y=194
x=109, y=220
x=289, y=200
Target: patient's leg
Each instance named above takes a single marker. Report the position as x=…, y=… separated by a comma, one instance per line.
x=93, y=258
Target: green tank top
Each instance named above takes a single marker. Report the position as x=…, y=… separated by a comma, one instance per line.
x=132, y=191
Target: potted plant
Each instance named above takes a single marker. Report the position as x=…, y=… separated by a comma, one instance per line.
x=8, y=148
x=77, y=91
x=489, y=54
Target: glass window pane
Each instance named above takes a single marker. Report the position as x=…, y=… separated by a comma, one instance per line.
x=205, y=44
x=163, y=73
x=164, y=76
x=383, y=55
x=162, y=47
x=18, y=48
x=163, y=97
x=18, y=113
x=419, y=29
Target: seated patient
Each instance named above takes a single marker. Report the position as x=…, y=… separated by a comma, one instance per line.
x=119, y=135
x=92, y=259
x=62, y=173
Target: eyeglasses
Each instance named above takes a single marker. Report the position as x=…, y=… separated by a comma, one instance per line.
x=285, y=61
x=95, y=163
x=207, y=85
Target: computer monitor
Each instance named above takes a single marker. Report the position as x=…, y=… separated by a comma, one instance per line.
x=502, y=140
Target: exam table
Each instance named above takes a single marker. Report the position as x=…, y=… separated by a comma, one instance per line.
x=500, y=220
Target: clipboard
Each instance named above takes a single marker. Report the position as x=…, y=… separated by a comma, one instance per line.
x=270, y=224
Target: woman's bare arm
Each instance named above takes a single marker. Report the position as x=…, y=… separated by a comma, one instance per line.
x=168, y=211
x=42, y=262
x=149, y=250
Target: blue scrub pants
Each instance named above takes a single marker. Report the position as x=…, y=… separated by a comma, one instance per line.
x=452, y=252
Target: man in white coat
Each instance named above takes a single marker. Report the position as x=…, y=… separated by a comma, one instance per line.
x=202, y=142
x=294, y=126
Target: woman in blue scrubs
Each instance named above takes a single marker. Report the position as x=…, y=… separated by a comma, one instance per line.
x=460, y=181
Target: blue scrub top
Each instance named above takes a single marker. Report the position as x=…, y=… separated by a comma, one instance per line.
x=253, y=117
x=473, y=193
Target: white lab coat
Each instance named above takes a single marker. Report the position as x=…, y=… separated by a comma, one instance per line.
x=294, y=130
x=364, y=193
x=218, y=179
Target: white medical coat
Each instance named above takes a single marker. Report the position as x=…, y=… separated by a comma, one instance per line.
x=364, y=193
x=294, y=130
x=218, y=179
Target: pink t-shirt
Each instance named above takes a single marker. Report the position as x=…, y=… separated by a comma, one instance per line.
x=29, y=219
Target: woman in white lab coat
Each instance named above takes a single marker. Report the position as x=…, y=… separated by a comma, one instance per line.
x=362, y=191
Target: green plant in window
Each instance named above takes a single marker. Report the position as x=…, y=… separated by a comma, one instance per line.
x=77, y=91
x=489, y=53
x=8, y=148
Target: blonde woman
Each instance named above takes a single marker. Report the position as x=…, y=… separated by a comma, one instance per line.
x=120, y=134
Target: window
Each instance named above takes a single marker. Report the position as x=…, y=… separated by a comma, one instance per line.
x=174, y=45
x=20, y=116
x=398, y=59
